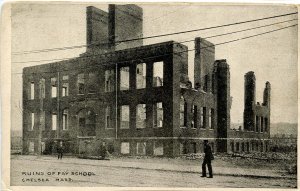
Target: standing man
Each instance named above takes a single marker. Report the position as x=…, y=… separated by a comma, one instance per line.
x=208, y=157
x=60, y=150
x=103, y=150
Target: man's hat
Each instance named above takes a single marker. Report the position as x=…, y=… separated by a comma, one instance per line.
x=205, y=141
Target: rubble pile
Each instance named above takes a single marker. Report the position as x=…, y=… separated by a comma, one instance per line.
x=192, y=156
x=268, y=156
x=283, y=162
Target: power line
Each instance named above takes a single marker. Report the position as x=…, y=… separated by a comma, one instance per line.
x=243, y=38
x=81, y=46
x=55, y=49
x=155, y=36
x=218, y=44
x=214, y=27
x=248, y=29
x=61, y=59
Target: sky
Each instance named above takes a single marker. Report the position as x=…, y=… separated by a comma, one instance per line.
x=272, y=57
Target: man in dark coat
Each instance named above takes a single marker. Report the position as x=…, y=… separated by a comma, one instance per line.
x=60, y=150
x=103, y=150
x=208, y=157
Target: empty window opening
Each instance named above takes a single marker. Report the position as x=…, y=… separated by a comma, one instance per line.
x=80, y=83
x=141, y=116
x=183, y=112
x=194, y=147
x=261, y=124
x=125, y=148
x=158, y=113
x=81, y=124
x=266, y=124
x=141, y=76
x=53, y=87
x=158, y=71
x=65, y=78
x=65, y=86
x=65, y=119
x=65, y=89
x=54, y=122
x=237, y=147
x=43, y=146
x=92, y=82
x=141, y=148
x=42, y=88
x=124, y=117
x=158, y=148
x=257, y=124
x=107, y=117
x=232, y=146
x=81, y=121
x=243, y=147
x=86, y=123
x=124, y=78
x=31, y=147
x=42, y=120
x=109, y=80
x=211, y=118
x=195, y=116
x=183, y=148
x=247, y=147
x=205, y=86
x=32, y=90
x=203, y=118
x=266, y=146
x=32, y=122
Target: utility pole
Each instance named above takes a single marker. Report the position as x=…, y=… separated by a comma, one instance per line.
x=58, y=114
x=116, y=86
x=42, y=117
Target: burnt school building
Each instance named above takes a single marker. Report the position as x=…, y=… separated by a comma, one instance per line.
x=137, y=99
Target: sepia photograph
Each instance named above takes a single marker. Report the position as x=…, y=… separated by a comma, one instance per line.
x=156, y=95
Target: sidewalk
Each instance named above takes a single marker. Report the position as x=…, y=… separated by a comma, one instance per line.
x=139, y=164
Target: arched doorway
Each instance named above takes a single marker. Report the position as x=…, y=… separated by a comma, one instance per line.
x=86, y=123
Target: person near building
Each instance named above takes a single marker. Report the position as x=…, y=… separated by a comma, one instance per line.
x=208, y=157
x=60, y=150
x=103, y=150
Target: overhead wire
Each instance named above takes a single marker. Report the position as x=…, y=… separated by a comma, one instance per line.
x=243, y=30
x=85, y=45
x=217, y=44
x=248, y=29
x=154, y=36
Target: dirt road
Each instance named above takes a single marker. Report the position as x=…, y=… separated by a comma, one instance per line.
x=52, y=172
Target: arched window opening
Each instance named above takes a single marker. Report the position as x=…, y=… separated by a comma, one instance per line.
x=86, y=123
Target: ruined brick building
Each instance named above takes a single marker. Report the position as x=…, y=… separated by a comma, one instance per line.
x=138, y=99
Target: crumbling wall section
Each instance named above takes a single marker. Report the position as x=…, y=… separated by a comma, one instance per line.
x=204, y=64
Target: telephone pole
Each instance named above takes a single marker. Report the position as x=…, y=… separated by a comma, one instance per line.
x=42, y=117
